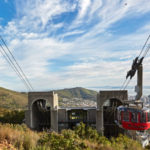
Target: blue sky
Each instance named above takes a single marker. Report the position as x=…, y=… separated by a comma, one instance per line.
x=66, y=43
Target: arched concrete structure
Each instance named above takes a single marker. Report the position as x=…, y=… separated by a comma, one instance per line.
x=38, y=119
x=102, y=96
x=53, y=101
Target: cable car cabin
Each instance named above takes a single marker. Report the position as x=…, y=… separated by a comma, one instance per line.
x=133, y=116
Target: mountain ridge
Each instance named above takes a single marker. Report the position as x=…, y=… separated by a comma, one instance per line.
x=77, y=92
x=13, y=99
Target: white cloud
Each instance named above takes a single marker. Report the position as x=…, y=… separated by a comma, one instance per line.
x=95, y=6
x=83, y=5
x=98, y=57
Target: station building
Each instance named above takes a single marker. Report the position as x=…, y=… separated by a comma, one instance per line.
x=44, y=112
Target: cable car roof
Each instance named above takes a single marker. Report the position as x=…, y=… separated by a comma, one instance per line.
x=133, y=109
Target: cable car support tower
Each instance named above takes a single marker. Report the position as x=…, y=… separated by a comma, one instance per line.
x=136, y=66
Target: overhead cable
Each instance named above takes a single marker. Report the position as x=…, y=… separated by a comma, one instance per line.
x=17, y=63
x=127, y=84
x=143, y=56
x=123, y=84
x=146, y=50
x=144, y=45
x=144, y=68
x=145, y=53
x=14, y=67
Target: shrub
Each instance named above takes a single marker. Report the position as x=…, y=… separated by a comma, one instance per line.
x=123, y=142
x=81, y=138
x=69, y=134
x=14, y=116
x=80, y=130
x=91, y=133
x=86, y=132
x=19, y=136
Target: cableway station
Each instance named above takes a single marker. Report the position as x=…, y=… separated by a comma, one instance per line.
x=44, y=112
x=114, y=113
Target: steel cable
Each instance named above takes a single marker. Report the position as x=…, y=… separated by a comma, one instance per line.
x=145, y=53
x=14, y=68
x=144, y=45
x=17, y=63
x=144, y=68
x=123, y=84
x=127, y=84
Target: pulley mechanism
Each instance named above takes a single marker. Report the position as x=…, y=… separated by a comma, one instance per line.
x=135, y=65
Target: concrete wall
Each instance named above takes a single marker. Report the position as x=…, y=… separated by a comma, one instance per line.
x=53, y=101
x=92, y=115
x=61, y=115
x=101, y=98
x=62, y=119
x=27, y=118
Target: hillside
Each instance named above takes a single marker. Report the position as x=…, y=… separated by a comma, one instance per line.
x=77, y=92
x=12, y=99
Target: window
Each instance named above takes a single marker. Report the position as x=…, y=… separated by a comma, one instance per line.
x=148, y=115
x=79, y=115
x=142, y=117
x=134, y=117
x=126, y=116
x=60, y=125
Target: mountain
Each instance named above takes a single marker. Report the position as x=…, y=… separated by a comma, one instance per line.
x=11, y=99
x=77, y=92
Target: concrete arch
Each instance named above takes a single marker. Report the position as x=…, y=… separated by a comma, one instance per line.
x=33, y=115
x=112, y=98
x=38, y=99
x=101, y=99
x=109, y=115
x=52, y=99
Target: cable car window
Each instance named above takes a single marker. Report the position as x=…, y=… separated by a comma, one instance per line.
x=142, y=117
x=126, y=116
x=148, y=115
x=134, y=117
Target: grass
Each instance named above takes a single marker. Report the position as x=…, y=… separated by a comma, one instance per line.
x=23, y=138
x=19, y=136
x=11, y=99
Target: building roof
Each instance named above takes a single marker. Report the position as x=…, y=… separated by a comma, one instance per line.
x=84, y=108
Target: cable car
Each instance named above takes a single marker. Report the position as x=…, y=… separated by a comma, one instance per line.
x=133, y=116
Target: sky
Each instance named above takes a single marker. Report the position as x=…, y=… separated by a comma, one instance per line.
x=74, y=43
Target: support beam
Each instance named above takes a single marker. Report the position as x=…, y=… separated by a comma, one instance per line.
x=139, y=87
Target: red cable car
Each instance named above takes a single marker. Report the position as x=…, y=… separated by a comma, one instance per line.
x=133, y=116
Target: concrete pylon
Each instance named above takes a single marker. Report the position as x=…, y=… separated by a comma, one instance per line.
x=102, y=97
x=139, y=86
x=139, y=90
x=31, y=115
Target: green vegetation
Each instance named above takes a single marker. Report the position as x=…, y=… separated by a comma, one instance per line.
x=81, y=138
x=77, y=92
x=12, y=116
x=11, y=99
x=20, y=136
